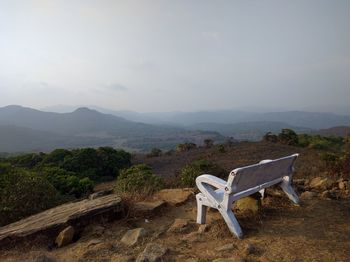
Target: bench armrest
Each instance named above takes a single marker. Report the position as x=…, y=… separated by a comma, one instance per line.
x=211, y=180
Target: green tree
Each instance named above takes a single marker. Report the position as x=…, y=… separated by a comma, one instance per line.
x=24, y=193
x=288, y=137
x=138, y=179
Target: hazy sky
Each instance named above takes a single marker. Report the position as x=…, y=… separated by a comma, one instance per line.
x=174, y=55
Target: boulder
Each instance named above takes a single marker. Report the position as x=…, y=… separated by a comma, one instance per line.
x=176, y=196
x=250, y=204
x=133, y=236
x=341, y=185
x=307, y=195
x=321, y=183
x=65, y=237
x=180, y=225
x=153, y=253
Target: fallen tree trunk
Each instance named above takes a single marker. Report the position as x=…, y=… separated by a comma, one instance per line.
x=58, y=217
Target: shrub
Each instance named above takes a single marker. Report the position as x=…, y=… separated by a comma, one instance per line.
x=288, y=137
x=66, y=182
x=155, y=152
x=190, y=172
x=208, y=143
x=269, y=137
x=185, y=147
x=24, y=193
x=222, y=149
x=138, y=179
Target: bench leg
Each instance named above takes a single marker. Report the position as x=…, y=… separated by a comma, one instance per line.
x=201, y=212
x=288, y=189
x=232, y=222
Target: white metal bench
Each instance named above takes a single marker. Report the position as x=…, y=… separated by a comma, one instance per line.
x=219, y=194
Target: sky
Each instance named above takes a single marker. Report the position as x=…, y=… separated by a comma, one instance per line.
x=179, y=55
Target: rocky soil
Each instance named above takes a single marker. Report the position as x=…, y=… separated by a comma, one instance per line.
x=164, y=229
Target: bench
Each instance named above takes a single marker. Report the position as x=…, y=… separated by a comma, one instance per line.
x=219, y=194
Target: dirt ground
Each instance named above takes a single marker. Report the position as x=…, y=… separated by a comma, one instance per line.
x=318, y=230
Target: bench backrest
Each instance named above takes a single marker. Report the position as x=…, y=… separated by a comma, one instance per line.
x=248, y=177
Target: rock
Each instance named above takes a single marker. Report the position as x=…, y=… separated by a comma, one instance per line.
x=299, y=182
x=203, y=228
x=100, y=194
x=65, y=237
x=230, y=259
x=194, y=237
x=93, y=242
x=176, y=196
x=226, y=247
x=121, y=258
x=180, y=225
x=153, y=253
x=321, y=183
x=341, y=185
x=45, y=258
x=325, y=194
x=133, y=236
x=248, y=249
x=307, y=195
x=148, y=207
x=248, y=204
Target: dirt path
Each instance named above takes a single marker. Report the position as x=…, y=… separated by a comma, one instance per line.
x=319, y=230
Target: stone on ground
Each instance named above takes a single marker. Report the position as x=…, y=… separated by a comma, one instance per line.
x=307, y=195
x=203, y=228
x=176, y=196
x=180, y=225
x=248, y=204
x=153, y=253
x=133, y=236
x=65, y=237
x=321, y=183
x=148, y=207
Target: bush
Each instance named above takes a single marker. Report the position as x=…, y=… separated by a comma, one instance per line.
x=24, y=193
x=155, y=152
x=208, y=143
x=138, y=179
x=222, y=149
x=288, y=137
x=185, y=147
x=66, y=182
x=190, y=172
x=269, y=137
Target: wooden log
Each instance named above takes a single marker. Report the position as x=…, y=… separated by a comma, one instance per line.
x=60, y=216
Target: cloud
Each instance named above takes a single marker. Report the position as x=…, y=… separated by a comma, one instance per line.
x=116, y=87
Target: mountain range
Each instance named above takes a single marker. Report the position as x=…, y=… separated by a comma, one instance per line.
x=27, y=129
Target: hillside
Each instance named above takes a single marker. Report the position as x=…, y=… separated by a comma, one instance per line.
x=341, y=131
x=42, y=131
x=166, y=221
x=253, y=131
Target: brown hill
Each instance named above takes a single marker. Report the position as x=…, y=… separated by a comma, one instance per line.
x=341, y=131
